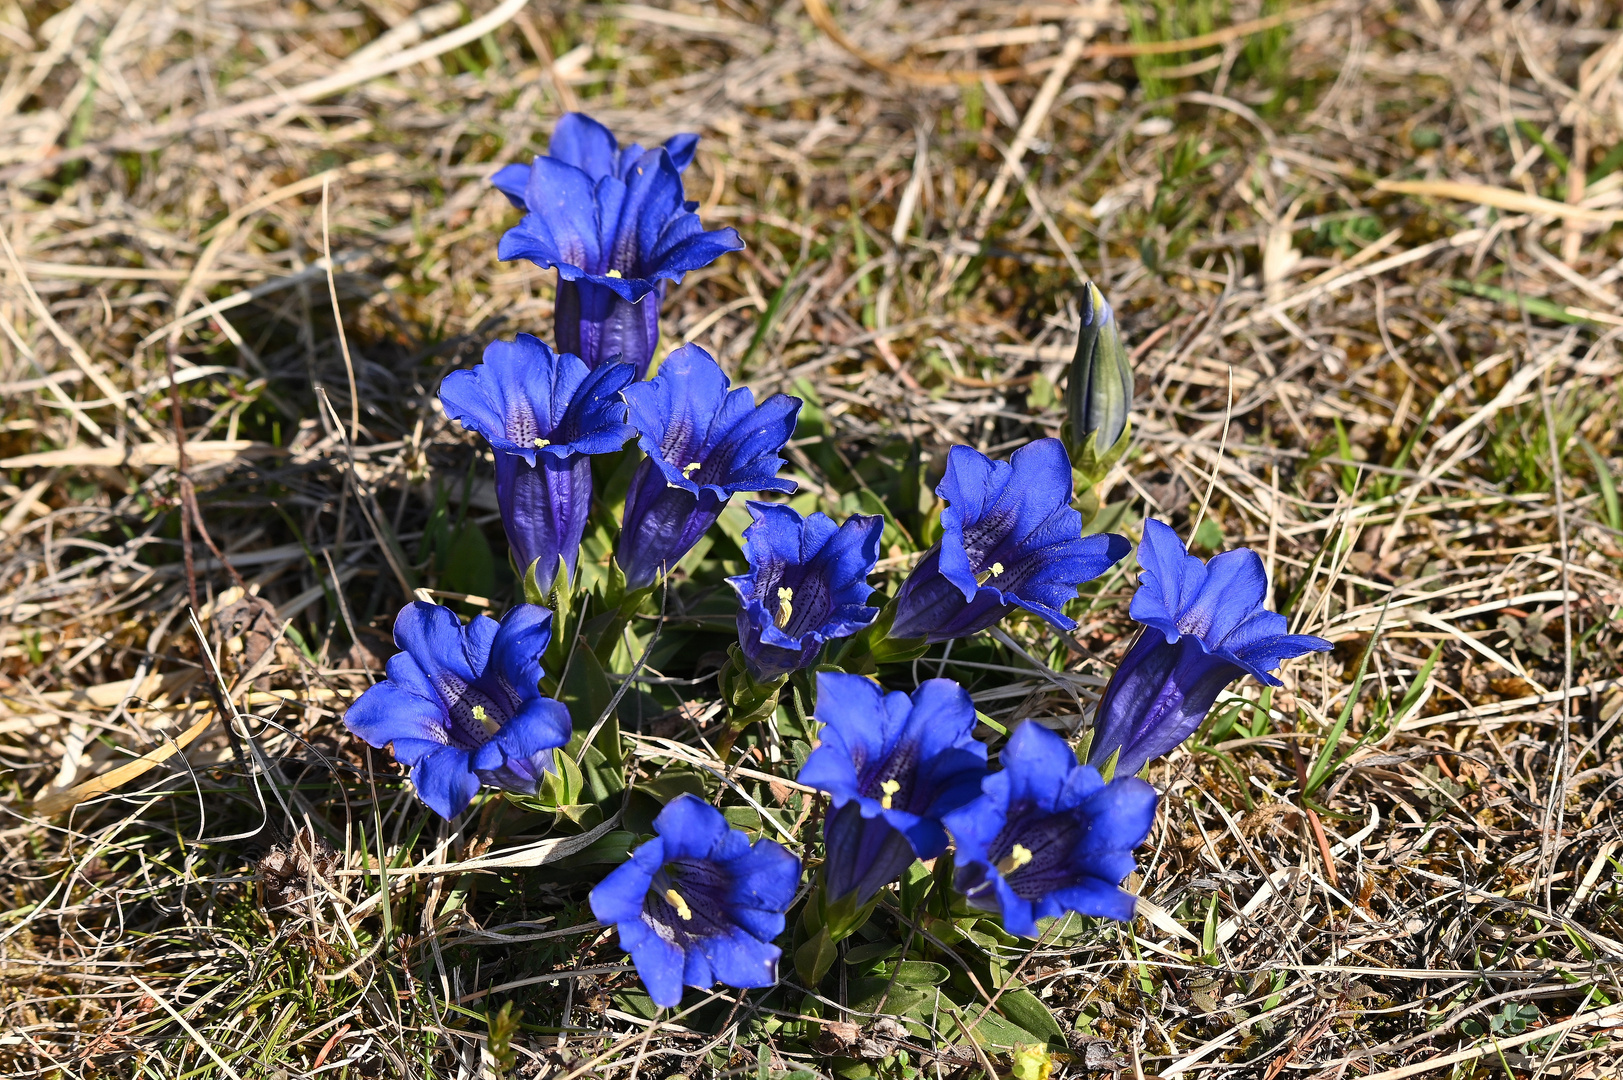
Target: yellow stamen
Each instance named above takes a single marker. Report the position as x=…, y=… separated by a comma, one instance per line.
x=689, y=469
x=995, y=570
x=539, y=443
x=786, y=606
x=683, y=912
x=890, y=788
x=1017, y=858
x=614, y=273
x=486, y=719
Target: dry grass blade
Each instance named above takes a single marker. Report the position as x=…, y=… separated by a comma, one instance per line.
x=1365, y=257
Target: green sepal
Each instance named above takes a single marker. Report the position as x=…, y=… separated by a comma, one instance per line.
x=1090, y=465
x=747, y=700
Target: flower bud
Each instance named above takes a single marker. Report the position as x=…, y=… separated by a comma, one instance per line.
x=1099, y=389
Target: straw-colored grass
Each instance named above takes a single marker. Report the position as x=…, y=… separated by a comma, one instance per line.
x=1366, y=256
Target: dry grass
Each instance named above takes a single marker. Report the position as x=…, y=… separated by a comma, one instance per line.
x=1331, y=370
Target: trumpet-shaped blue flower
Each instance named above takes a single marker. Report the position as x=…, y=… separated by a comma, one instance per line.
x=580, y=141
x=1047, y=835
x=893, y=765
x=543, y=413
x=616, y=226
x=807, y=585
x=1009, y=538
x=462, y=705
x=1204, y=627
x=698, y=904
x=704, y=445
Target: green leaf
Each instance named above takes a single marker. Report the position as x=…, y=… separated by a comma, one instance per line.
x=867, y=954
x=469, y=565
x=916, y=973
x=1608, y=488
x=868, y=995
x=990, y=1031
x=585, y=687
x=1027, y=1010
x=815, y=957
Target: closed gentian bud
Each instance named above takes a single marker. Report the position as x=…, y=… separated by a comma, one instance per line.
x=1098, y=390
x=1047, y=835
x=892, y=765
x=462, y=705
x=807, y=585
x=1009, y=538
x=616, y=226
x=705, y=443
x=1204, y=627
x=543, y=414
x=698, y=904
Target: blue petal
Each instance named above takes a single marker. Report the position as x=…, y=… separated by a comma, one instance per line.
x=1233, y=591
x=767, y=878
x=586, y=144
x=695, y=252
x=565, y=214
x=599, y=325
x=1037, y=762
x=514, y=667
x=1092, y=896
x=445, y=782
x=673, y=411
x=1169, y=580
x=740, y=960
x=660, y=965
x=520, y=393
x=1019, y=915
x=1121, y=815
x=691, y=828
x=592, y=420
x=388, y=713
x=977, y=824
x=511, y=180
x=1261, y=656
x=544, y=510
x=851, y=709
x=653, y=198
x=619, y=896
x=541, y=726
x=433, y=637
x=743, y=447
x=681, y=148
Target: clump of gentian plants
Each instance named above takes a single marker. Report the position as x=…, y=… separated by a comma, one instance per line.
x=602, y=534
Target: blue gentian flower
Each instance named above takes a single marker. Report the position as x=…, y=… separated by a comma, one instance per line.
x=543, y=413
x=580, y=141
x=893, y=765
x=1204, y=627
x=617, y=227
x=698, y=904
x=1009, y=538
x=1047, y=835
x=704, y=445
x=462, y=705
x=807, y=585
